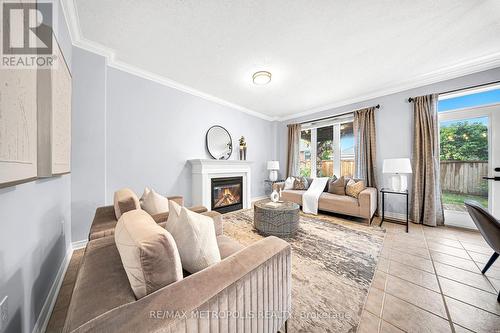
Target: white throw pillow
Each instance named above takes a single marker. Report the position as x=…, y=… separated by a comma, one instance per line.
x=144, y=194
x=289, y=183
x=155, y=203
x=196, y=241
x=173, y=216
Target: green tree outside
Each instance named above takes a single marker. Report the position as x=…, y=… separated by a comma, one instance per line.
x=464, y=141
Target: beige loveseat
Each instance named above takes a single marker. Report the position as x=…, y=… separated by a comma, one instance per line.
x=250, y=289
x=364, y=206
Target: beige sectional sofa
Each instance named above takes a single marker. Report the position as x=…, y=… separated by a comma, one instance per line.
x=219, y=298
x=364, y=206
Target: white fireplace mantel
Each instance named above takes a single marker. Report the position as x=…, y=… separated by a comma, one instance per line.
x=203, y=170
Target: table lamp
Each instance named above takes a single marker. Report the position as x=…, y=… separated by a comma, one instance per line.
x=273, y=167
x=399, y=168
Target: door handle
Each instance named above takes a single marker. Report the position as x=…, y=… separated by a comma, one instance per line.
x=497, y=178
x=497, y=169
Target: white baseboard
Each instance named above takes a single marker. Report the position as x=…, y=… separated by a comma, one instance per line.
x=79, y=244
x=50, y=301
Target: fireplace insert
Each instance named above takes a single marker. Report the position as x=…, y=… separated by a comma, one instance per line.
x=227, y=194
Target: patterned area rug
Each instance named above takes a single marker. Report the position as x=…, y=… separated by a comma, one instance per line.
x=333, y=263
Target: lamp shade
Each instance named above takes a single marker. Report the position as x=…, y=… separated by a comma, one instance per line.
x=273, y=165
x=397, y=165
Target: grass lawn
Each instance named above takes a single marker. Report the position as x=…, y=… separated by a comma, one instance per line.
x=458, y=199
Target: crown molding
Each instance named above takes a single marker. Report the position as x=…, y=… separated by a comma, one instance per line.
x=443, y=74
x=77, y=39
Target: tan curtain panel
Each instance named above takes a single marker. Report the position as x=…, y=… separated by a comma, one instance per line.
x=292, y=160
x=427, y=207
x=365, y=163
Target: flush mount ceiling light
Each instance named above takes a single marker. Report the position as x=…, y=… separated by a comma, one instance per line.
x=261, y=78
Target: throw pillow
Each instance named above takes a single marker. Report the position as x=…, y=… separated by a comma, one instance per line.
x=300, y=183
x=148, y=253
x=331, y=179
x=195, y=237
x=353, y=188
x=127, y=205
x=173, y=216
x=121, y=195
x=144, y=194
x=337, y=186
x=155, y=203
x=288, y=184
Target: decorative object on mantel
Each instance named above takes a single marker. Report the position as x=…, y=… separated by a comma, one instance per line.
x=219, y=143
x=243, y=149
x=398, y=168
x=273, y=167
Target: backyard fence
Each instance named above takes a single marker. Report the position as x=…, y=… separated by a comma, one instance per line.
x=464, y=177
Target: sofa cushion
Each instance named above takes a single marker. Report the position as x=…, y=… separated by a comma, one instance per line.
x=101, y=284
x=122, y=195
x=353, y=188
x=342, y=204
x=148, y=252
x=293, y=196
x=337, y=186
x=196, y=240
x=227, y=246
x=154, y=203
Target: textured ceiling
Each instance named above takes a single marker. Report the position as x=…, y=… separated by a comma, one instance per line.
x=320, y=53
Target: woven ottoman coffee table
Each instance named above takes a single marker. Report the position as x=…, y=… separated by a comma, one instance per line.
x=276, y=219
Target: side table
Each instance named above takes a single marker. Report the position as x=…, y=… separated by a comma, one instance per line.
x=385, y=191
x=268, y=185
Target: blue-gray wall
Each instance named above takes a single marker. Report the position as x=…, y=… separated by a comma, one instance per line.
x=35, y=222
x=88, y=173
x=393, y=123
x=149, y=131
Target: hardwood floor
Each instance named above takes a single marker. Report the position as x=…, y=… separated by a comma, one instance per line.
x=56, y=321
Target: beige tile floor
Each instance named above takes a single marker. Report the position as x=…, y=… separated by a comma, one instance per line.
x=429, y=280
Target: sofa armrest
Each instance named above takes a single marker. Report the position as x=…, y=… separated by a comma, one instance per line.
x=368, y=201
x=218, y=221
x=220, y=295
x=198, y=209
x=278, y=186
x=177, y=198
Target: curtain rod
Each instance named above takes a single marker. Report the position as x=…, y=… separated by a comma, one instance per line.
x=411, y=99
x=334, y=116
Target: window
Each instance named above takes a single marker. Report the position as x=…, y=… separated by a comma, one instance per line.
x=469, y=100
x=327, y=148
x=324, y=151
x=347, y=149
x=305, y=153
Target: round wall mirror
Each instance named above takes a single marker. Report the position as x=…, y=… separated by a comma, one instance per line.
x=219, y=143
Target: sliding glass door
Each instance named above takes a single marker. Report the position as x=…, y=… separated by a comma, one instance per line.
x=327, y=149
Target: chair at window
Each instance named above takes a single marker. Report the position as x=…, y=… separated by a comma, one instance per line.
x=489, y=227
